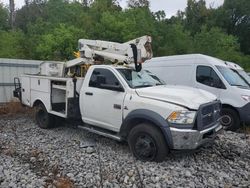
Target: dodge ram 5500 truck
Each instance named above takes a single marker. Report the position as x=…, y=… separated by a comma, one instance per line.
x=126, y=104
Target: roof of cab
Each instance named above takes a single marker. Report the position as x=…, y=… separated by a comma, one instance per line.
x=111, y=66
x=209, y=60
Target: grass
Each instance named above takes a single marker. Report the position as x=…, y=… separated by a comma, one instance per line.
x=246, y=129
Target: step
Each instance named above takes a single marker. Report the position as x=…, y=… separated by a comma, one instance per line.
x=101, y=132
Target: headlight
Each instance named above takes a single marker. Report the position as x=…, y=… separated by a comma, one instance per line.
x=246, y=98
x=182, y=117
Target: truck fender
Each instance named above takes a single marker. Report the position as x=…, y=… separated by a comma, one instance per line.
x=38, y=102
x=138, y=116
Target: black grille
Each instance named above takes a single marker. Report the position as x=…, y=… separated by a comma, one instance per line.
x=207, y=109
x=209, y=114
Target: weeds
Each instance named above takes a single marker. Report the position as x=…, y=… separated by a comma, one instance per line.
x=245, y=129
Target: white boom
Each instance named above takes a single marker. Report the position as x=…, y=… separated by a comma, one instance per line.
x=134, y=51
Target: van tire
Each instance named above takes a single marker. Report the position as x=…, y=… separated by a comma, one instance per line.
x=43, y=118
x=147, y=143
x=230, y=119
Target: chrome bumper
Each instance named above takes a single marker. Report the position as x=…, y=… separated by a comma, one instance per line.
x=192, y=139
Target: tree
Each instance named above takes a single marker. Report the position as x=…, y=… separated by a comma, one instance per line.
x=238, y=21
x=215, y=42
x=3, y=17
x=29, y=13
x=11, y=44
x=60, y=43
x=196, y=15
x=138, y=3
x=174, y=40
x=12, y=13
x=160, y=15
x=49, y=29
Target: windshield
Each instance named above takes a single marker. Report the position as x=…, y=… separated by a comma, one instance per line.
x=244, y=75
x=233, y=78
x=140, y=79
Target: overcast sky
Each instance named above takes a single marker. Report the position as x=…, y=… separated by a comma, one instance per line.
x=169, y=6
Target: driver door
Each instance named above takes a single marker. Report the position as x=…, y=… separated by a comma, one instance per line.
x=103, y=106
x=207, y=79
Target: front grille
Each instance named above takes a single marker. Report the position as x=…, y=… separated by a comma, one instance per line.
x=208, y=115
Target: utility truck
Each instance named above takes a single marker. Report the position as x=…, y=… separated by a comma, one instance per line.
x=121, y=102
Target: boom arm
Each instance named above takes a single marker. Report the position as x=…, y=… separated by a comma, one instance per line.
x=135, y=51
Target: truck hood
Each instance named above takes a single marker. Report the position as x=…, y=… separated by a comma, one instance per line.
x=187, y=97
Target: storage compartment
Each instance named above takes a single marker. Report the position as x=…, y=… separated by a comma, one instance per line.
x=52, y=69
x=58, y=96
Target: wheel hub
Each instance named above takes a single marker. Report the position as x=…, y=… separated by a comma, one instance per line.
x=226, y=120
x=145, y=147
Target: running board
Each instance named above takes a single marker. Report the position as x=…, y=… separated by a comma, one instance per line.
x=101, y=132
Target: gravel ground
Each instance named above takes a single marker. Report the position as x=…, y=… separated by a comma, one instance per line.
x=69, y=157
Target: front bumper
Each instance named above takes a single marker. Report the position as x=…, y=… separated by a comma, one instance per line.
x=188, y=139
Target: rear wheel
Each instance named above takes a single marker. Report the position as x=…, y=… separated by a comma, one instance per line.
x=43, y=118
x=230, y=119
x=147, y=143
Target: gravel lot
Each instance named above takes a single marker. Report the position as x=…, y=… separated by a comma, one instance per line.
x=32, y=157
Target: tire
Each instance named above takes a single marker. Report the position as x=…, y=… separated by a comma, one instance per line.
x=230, y=119
x=43, y=118
x=58, y=121
x=147, y=143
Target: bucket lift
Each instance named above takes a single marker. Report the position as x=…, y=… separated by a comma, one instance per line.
x=96, y=52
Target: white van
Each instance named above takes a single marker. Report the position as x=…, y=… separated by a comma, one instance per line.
x=210, y=74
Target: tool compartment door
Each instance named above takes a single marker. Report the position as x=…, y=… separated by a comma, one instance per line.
x=25, y=90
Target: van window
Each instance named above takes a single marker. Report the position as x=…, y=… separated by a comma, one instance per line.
x=207, y=76
x=233, y=77
x=244, y=75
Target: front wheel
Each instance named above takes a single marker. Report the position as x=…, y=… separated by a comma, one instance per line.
x=230, y=119
x=147, y=143
x=43, y=118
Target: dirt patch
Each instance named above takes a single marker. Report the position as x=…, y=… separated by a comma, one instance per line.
x=13, y=108
x=64, y=182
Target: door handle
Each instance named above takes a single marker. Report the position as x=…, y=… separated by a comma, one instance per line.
x=88, y=93
x=117, y=106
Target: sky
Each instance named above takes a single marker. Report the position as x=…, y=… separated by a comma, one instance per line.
x=169, y=6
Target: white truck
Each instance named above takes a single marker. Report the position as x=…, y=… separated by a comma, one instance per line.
x=124, y=103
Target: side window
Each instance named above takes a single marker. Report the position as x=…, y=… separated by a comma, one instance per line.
x=103, y=76
x=207, y=76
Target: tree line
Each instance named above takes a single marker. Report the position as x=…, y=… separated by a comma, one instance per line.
x=50, y=29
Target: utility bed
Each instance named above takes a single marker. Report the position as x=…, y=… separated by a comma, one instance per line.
x=59, y=93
